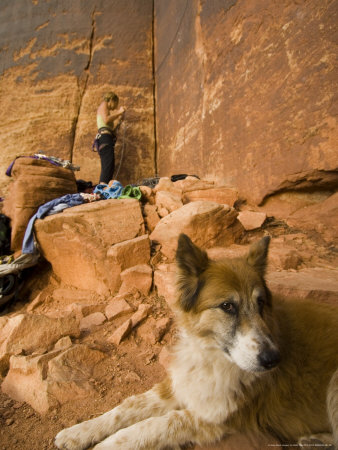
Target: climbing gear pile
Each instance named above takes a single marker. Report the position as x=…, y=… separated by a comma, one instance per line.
x=52, y=159
x=115, y=190
x=131, y=192
x=5, y=235
x=9, y=287
x=150, y=182
x=111, y=190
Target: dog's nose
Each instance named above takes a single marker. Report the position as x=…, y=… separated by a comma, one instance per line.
x=269, y=358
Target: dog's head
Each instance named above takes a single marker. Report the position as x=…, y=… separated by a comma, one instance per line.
x=228, y=304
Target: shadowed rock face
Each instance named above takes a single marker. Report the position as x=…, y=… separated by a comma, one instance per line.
x=246, y=94
x=245, y=91
x=57, y=60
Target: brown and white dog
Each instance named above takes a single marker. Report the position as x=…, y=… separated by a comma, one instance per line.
x=243, y=362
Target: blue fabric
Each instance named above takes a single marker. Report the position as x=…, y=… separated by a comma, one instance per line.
x=58, y=208
x=99, y=188
x=67, y=201
x=106, y=192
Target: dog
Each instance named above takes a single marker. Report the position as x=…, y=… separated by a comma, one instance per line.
x=244, y=362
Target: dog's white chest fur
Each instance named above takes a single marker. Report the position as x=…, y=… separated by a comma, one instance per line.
x=205, y=381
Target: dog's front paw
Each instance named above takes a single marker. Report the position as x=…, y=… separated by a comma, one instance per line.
x=122, y=440
x=73, y=438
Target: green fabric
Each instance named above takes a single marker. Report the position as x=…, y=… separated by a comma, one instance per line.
x=127, y=191
x=131, y=192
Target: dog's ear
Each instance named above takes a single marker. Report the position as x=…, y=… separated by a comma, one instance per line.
x=258, y=253
x=191, y=262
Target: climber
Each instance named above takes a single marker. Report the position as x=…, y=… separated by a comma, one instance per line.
x=108, y=120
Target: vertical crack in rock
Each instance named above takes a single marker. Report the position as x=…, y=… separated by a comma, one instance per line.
x=154, y=88
x=201, y=55
x=82, y=89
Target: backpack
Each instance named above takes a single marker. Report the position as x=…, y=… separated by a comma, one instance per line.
x=5, y=235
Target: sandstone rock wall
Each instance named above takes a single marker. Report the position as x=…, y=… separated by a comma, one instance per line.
x=246, y=93
x=57, y=60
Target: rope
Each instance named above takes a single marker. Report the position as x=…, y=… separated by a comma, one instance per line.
x=122, y=149
x=173, y=40
x=157, y=70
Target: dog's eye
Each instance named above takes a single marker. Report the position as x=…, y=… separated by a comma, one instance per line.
x=260, y=303
x=228, y=307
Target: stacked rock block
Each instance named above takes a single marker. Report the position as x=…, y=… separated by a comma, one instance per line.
x=35, y=182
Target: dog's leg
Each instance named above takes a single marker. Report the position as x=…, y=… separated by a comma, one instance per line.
x=171, y=430
x=154, y=402
x=332, y=406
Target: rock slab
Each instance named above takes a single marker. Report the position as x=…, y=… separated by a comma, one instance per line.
x=76, y=242
x=311, y=283
x=28, y=333
x=46, y=381
x=207, y=223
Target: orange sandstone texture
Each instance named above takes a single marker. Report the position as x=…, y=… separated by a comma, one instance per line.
x=57, y=60
x=246, y=93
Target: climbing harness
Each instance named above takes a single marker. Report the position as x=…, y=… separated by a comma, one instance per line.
x=101, y=131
